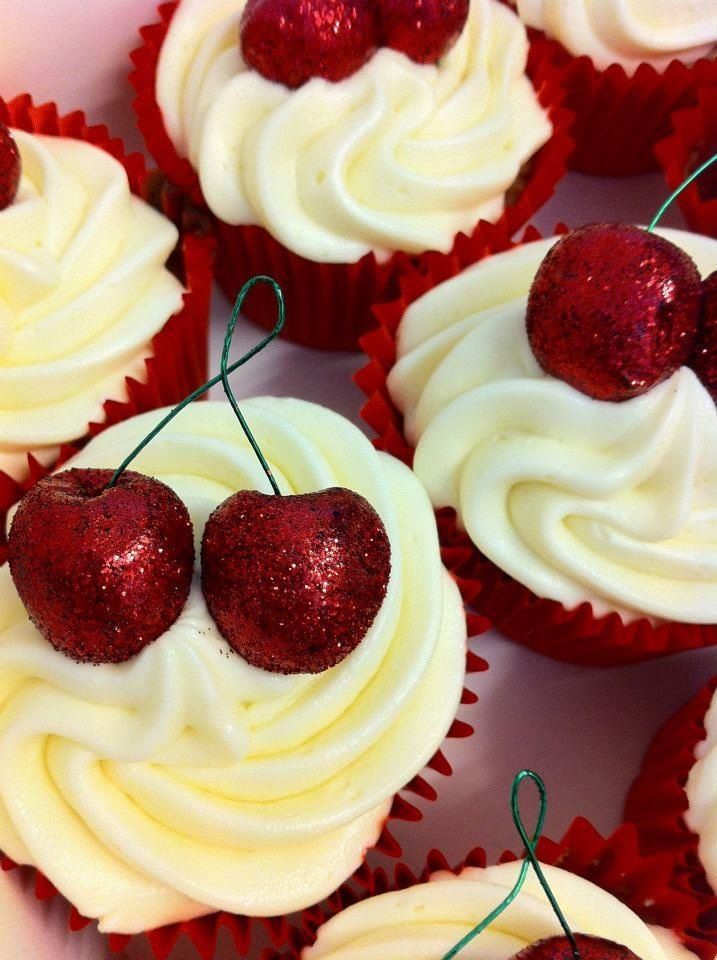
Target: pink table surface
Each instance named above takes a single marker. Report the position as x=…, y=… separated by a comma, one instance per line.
x=584, y=729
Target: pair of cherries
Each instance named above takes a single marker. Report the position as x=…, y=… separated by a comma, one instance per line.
x=615, y=310
x=293, y=41
x=292, y=582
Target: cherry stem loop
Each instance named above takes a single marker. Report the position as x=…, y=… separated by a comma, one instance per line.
x=226, y=369
x=223, y=378
x=682, y=187
x=530, y=859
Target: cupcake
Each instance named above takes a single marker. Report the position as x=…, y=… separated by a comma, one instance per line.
x=568, y=437
x=673, y=800
x=331, y=159
x=692, y=141
x=104, y=302
x=188, y=783
x=628, y=64
x=604, y=887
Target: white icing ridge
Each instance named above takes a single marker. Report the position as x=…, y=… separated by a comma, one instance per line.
x=423, y=922
x=187, y=781
x=399, y=156
x=578, y=499
x=628, y=32
x=83, y=290
x=701, y=790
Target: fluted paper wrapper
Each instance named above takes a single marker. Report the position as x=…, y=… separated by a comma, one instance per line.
x=619, y=118
x=657, y=804
x=692, y=141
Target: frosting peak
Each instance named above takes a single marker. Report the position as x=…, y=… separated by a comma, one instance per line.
x=578, y=499
x=83, y=290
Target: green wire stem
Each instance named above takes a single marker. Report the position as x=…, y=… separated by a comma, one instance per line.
x=223, y=378
x=225, y=371
x=675, y=194
x=530, y=860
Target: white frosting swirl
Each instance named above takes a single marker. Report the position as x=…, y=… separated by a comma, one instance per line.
x=578, y=499
x=83, y=289
x=424, y=921
x=628, y=32
x=186, y=780
x=701, y=790
x=398, y=156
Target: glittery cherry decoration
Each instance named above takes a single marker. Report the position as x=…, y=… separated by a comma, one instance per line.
x=292, y=41
x=704, y=355
x=294, y=583
x=10, y=167
x=425, y=30
x=590, y=948
x=102, y=571
x=103, y=560
x=613, y=310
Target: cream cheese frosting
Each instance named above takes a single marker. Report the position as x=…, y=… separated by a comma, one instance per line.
x=628, y=32
x=701, y=790
x=578, y=499
x=83, y=289
x=399, y=156
x=423, y=922
x=187, y=781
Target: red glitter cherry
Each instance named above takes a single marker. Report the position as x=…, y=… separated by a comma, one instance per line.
x=10, y=167
x=704, y=356
x=425, y=30
x=294, y=583
x=291, y=41
x=590, y=948
x=613, y=310
x=101, y=572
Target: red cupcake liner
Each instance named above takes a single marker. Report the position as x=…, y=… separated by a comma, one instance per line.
x=614, y=863
x=692, y=141
x=657, y=803
x=619, y=118
x=329, y=305
x=204, y=931
x=575, y=636
x=178, y=364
